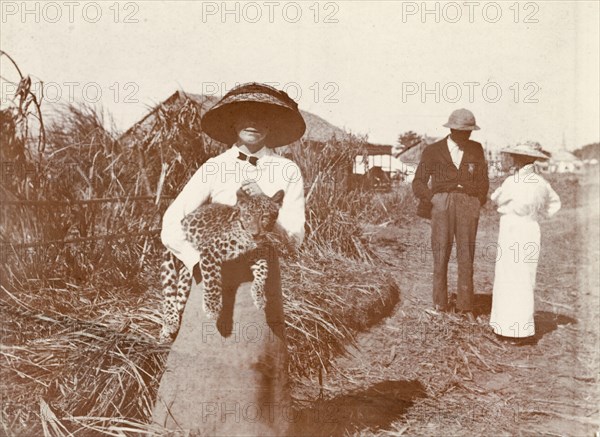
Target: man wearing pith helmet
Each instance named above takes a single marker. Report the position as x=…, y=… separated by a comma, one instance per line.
x=451, y=183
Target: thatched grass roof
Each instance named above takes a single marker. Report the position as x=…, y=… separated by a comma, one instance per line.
x=564, y=155
x=413, y=155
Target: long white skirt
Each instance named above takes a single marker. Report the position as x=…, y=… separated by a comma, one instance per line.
x=514, y=281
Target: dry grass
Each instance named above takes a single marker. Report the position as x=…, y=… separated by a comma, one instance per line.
x=79, y=354
x=327, y=302
x=93, y=354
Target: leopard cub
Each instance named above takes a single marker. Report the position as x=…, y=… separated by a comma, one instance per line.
x=220, y=233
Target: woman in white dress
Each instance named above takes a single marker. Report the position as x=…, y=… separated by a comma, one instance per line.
x=522, y=199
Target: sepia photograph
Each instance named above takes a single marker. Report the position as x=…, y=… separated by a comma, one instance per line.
x=299, y=218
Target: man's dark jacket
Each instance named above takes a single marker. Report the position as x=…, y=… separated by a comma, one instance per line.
x=436, y=163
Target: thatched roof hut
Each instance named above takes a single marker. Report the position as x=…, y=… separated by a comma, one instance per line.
x=564, y=161
x=407, y=160
x=413, y=155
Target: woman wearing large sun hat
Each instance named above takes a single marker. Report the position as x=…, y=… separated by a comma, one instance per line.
x=523, y=199
x=229, y=376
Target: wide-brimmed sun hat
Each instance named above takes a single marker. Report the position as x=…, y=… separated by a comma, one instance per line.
x=271, y=105
x=527, y=149
x=462, y=119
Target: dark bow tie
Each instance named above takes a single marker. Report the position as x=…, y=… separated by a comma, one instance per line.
x=251, y=159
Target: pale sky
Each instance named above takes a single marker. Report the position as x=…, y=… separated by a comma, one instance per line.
x=363, y=66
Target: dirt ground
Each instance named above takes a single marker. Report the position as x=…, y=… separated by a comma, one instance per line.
x=414, y=375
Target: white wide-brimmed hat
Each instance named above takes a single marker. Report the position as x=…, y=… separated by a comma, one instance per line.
x=527, y=149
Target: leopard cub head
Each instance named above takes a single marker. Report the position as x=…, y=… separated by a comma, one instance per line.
x=259, y=213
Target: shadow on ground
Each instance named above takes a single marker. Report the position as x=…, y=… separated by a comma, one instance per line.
x=376, y=408
x=546, y=321
x=482, y=304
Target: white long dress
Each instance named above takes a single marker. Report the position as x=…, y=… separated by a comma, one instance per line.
x=522, y=200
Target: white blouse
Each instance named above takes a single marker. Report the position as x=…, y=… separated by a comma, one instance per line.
x=218, y=180
x=526, y=194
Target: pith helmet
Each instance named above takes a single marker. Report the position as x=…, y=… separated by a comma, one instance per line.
x=462, y=119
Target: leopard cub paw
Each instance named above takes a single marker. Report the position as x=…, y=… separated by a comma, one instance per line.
x=166, y=335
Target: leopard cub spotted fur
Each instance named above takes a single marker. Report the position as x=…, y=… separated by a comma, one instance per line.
x=220, y=233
